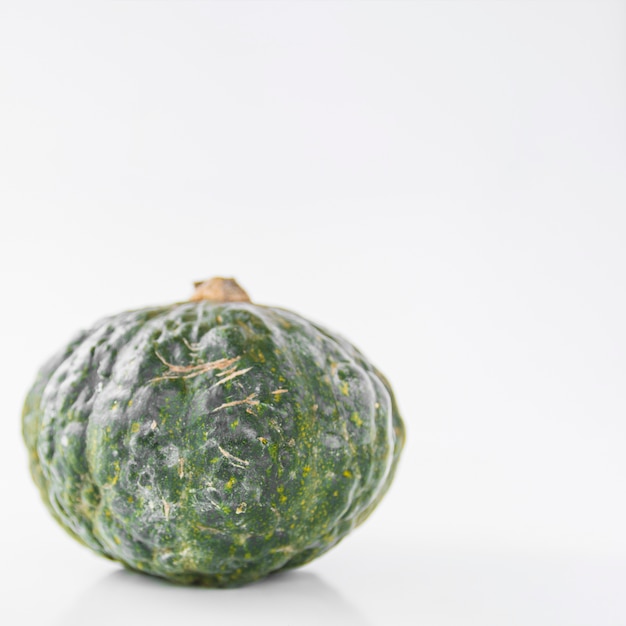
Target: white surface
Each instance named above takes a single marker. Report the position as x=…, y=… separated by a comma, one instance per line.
x=443, y=182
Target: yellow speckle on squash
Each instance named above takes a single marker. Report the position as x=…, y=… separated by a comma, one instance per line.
x=281, y=489
x=356, y=419
x=305, y=470
x=135, y=427
x=231, y=482
x=115, y=478
x=347, y=474
x=344, y=388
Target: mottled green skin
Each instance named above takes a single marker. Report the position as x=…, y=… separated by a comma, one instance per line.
x=211, y=443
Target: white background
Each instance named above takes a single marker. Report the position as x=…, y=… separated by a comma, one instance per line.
x=442, y=182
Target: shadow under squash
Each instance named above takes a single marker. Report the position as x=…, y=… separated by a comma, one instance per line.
x=293, y=598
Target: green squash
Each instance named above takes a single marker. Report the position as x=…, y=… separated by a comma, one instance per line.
x=212, y=441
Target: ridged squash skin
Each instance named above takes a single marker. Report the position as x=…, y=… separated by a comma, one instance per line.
x=210, y=442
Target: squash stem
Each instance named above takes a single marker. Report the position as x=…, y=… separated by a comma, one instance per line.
x=219, y=289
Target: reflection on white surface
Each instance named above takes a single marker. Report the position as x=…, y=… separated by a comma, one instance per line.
x=298, y=598
x=364, y=584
